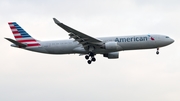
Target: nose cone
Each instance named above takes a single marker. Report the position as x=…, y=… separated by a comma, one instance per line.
x=171, y=41
x=164, y=41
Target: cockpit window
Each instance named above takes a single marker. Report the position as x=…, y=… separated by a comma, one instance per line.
x=167, y=37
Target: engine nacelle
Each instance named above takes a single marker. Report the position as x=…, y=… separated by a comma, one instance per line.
x=112, y=46
x=112, y=55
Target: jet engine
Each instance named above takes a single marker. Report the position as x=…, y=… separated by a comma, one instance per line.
x=112, y=55
x=112, y=46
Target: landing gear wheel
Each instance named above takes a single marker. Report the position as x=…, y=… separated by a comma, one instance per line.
x=86, y=57
x=157, y=52
x=93, y=59
x=89, y=61
x=91, y=56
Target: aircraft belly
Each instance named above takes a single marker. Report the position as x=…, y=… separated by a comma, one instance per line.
x=79, y=49
x=137, y=45
x=37, y=49
x=63, y=49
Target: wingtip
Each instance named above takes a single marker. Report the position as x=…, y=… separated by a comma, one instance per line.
x=56, y=21
x=6, y=38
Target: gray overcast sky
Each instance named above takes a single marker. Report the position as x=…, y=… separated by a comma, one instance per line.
x=136, y=76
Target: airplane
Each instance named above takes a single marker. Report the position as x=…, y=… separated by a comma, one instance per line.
x=83, y=44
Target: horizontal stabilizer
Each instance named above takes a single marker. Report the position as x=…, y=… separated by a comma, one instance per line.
x=16, y=43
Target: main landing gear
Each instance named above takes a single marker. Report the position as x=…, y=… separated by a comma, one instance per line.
x=91, y=56
x=157, y=52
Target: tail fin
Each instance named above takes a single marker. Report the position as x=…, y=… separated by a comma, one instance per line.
x=22, y=36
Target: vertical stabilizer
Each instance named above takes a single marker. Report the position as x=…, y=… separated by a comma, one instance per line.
x=22, y=36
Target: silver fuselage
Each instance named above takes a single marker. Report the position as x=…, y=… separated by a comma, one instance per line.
x=125, y=42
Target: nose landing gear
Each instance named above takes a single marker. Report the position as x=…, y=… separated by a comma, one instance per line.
x=157, y=52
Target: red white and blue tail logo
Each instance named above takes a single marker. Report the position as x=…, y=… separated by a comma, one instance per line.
x=22, y=36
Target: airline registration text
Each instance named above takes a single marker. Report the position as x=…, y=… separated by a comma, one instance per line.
x=131, y=39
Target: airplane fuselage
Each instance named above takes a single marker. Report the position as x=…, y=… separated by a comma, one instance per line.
x=124, y=42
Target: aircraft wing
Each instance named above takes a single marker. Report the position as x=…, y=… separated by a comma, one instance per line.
x=82, y=38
